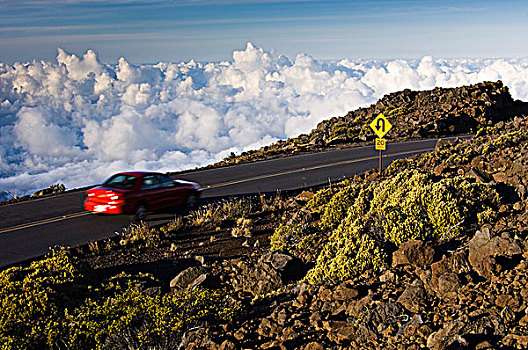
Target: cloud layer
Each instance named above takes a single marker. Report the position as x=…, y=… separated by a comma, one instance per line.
x=78, y=120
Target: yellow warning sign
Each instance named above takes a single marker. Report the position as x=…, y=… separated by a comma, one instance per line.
x=380, y=125
x=380, y=144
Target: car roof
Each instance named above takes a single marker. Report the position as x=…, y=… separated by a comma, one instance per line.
x=139, y=173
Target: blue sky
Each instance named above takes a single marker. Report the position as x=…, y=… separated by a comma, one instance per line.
x=179, y=30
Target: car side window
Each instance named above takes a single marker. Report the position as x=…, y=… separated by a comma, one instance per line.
x=150, y=182
x=120, y=181
x=165, y=181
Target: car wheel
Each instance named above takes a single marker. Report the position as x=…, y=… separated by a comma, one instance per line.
x=141, y=212
x=192, y=200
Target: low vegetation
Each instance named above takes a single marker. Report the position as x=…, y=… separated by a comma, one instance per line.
x=219, y=212
x=52, y=303
x=364, y=222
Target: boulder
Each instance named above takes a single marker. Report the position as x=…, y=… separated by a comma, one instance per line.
x=388, y=277
x=448, y=337
x=414, y=252
x=516, y=341
x=314, y=346
x=346, y=333
x=445, y=277
x=345, y=292
x=500, y=177
x=448, y=285
x=304, y=196
x=290, y=268
x=479, y=176
x=414, y=297
x=484, y=251
x=374, y=319
x=317, y=141
x=272, y=271
x=186, y=277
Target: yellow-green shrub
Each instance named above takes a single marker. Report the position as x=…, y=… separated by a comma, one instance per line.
x=402, y=164
x=336, y=209
x=403, y=203
x=321, y=198
x=410, y=205
x=32, y=299
x=144, y=320
x=282, y=237
x=349, y=252
x=394, y=112
x=506, y=140
x=49, y=304
x=297, y=239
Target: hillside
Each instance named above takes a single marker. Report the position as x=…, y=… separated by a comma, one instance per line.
x=414, y=115
x=432, y=253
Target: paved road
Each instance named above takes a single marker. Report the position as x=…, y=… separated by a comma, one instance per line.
x=28, y=229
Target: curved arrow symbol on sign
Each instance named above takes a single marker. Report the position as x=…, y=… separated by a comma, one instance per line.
x=382, y=126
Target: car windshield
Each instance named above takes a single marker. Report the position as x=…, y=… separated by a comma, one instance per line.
x=121, y=182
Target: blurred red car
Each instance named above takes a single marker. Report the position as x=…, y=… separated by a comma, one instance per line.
x=137, y=193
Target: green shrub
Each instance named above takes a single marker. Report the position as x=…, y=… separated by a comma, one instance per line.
x=302, y=236
x=340, y=129
x=365, y=129
x=294, y=238
x=394, y=112
x=332, y=203
x=336, y=209
x=402, y=164
x=487, y=130
x=320, y=200
x=349, y=252
x=32, y=299
x=50, y=305
x=144, y=321
x=410, y=205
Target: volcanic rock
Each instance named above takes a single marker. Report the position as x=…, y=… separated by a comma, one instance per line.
x=413, y=252
x=414, y=298
x=186, y=277
x=485, y=251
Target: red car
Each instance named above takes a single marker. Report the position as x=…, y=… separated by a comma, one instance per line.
x=140, y=192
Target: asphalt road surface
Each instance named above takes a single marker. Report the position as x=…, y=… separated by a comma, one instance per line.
x=28, y=229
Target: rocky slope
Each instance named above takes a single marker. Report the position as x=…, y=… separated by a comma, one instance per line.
x=414, y=115
x=468, y=291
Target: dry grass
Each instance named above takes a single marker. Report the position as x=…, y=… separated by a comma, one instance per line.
x=215, y=213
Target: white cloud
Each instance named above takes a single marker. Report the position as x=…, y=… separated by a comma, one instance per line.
x=38, y=135
x=80, y=68
x=78, y=120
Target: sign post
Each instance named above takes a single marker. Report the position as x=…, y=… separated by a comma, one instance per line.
x=381, y=126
